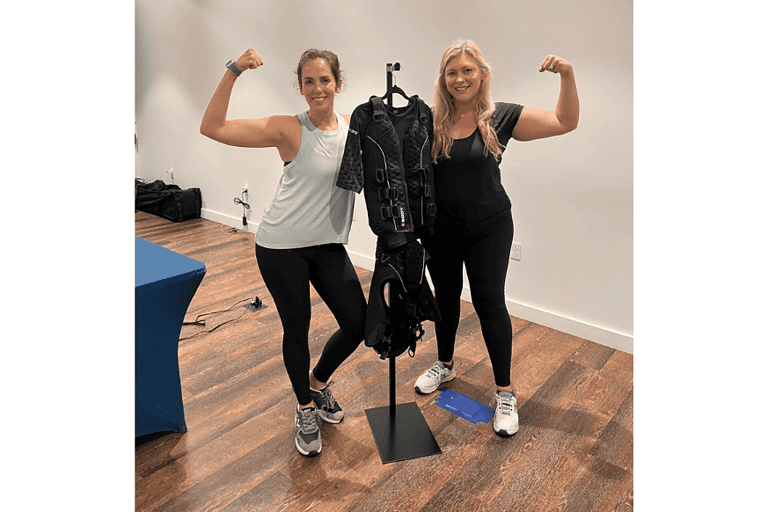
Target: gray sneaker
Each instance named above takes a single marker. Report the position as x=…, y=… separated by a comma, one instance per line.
x=327, y=407
x=432, y=378
x=307, y=432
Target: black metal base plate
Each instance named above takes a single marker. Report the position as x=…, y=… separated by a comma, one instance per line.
x=403, y=436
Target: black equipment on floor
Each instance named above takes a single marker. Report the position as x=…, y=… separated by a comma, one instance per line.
x=168, y=201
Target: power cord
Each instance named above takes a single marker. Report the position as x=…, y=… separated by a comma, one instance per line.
x=169, y=171
x=254, y=305
x=246, y=207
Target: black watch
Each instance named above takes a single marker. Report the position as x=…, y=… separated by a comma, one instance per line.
x=232, y=67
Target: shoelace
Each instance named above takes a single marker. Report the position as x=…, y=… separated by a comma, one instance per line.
x=331, y=402
x=307, y=420
x=504, y=404
x=435, y=370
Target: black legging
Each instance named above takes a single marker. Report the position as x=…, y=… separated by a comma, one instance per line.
x=287, y=274
x=485, y=250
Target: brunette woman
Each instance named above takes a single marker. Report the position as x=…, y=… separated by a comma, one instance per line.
x=302, y=233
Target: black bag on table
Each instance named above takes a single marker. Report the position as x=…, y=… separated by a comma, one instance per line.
x=168, y=201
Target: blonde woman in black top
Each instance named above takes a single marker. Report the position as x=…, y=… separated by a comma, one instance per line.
x=474, y=225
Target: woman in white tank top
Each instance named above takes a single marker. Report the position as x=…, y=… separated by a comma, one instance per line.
x=301, y=234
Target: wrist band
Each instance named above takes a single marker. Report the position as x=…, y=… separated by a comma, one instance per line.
x=233, y=68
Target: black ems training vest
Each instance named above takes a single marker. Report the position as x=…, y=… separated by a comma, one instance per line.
x=388, y=154
x=391, y=329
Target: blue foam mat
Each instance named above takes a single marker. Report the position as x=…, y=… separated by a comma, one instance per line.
x=463, y=406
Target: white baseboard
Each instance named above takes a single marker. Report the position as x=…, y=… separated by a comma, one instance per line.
x=571, y=326
x=361, y=260
x=549, y=319
x=564, y=324
x=228, y=220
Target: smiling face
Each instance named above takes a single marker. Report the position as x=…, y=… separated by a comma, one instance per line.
x=463, y=77
x=317, y=85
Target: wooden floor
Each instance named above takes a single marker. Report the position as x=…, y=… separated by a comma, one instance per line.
x=573, y=451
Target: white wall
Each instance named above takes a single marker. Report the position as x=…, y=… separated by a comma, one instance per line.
x=572, y=195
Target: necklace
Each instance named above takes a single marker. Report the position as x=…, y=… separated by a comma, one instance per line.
x=462, y=116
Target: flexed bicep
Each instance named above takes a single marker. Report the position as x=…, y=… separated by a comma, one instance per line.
x=538, y=124
x=258, y=133
x=266, y=132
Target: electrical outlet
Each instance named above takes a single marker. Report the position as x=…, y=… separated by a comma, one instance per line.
x=517, y=251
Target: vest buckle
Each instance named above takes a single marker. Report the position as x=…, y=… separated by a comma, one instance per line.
x=388, y=194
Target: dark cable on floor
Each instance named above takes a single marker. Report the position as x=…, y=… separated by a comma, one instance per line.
x=253, y=305
x=197, y=320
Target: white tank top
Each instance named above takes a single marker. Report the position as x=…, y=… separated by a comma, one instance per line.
x=308, y=208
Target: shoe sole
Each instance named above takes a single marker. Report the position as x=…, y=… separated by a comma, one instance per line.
x=328, y=419
x=324, y=417
x=504, y=433
x=419, y=391
x=311, y=453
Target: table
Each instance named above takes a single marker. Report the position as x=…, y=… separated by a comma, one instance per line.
x=165, y=284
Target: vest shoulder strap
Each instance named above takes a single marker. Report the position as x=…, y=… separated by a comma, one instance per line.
x=378, y=108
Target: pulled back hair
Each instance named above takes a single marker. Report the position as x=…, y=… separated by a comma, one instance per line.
x=444, y=108
x=328, y=56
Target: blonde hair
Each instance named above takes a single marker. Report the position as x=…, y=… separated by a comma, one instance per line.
x=444, y=109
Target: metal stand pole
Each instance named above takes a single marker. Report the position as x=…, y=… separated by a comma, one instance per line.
x=391, y=68
x=403, y=434
x=392, y=401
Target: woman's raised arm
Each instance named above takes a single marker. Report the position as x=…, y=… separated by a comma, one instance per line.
x=538, y=124
x=254, y=133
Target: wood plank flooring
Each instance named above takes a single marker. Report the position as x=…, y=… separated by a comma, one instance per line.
x=573, y=451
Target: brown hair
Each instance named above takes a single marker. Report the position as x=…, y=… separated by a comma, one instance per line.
x=444, y=109
x=328, y=56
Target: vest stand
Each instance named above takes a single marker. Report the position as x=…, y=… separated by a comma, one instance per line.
x=400, y=431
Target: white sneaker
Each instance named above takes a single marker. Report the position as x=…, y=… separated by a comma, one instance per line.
x=505, y=421
x=432, y=378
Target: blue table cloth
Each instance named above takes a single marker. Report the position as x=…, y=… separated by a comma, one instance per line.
x=165, y=284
